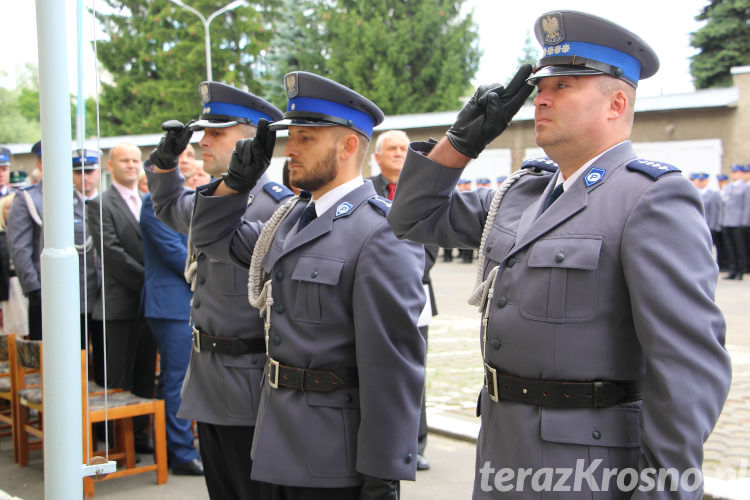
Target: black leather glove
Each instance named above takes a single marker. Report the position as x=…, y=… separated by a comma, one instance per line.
x=250, y=159
x=487, y=113
x=379, y=489
x=174, y=142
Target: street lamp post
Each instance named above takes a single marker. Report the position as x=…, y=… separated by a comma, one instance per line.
x=206, y=22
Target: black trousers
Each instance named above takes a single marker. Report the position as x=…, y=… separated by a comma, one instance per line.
x=131, y=363
x=35, y=315
x=225, y=452
x=721, y=252
x=96, y=340
x=734, y=238
x=276, y=492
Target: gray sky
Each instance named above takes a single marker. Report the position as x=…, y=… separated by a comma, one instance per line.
x=503, y=26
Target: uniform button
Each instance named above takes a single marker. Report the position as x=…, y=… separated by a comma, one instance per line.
x=495, y=343
x=276, y=340
x=202, y=256
x=511, y=262
x=279, y=275
x=280, y=308
x=196, y=304
x=314, y=274
x=349, y=398
x=502, y=301
x=254, y=362
x=559, y=257
x=489, y=248
x=201, y=280
x=596, y=435
x=409, y=458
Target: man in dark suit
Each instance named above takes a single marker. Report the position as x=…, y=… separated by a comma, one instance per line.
x=131, y=350
x=390, y=154
x=166, y=307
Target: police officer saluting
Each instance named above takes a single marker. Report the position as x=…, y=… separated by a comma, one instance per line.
x=222, y=384
x=602, y=343
x=340, y=407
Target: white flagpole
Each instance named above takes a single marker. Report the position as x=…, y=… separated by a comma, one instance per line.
x=60, y=289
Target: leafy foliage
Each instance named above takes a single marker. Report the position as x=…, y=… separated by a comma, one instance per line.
x=407, y=56
x=155, y=58
x=724, y=42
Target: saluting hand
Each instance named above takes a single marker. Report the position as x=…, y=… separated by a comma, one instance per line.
x=488, y=113
x=171, y=146
x=250, y=159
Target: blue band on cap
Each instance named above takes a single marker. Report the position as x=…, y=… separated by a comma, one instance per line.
x=360, y=119
x=87, y=160
x=630, y=66
x=235, y=110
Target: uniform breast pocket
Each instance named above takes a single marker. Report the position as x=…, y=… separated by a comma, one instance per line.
x=314, y=279
x=562, y=281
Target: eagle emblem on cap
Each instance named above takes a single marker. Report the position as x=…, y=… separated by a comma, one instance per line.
x=205, y=91
x=552, y=33
x=291, y=85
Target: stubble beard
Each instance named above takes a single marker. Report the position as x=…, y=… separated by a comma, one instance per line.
x=321, y=174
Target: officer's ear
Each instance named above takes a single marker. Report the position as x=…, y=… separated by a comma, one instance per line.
x=348, y=144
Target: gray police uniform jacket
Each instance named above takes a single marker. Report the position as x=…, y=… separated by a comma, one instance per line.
x=734, y=211
x=346, y=295
x=26, y=240
x=219, y=389
x=712, y=208
x=615, y=282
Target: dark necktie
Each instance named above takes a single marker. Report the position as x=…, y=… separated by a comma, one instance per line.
x=555, y=194
x=391, y=190
x=307, y=215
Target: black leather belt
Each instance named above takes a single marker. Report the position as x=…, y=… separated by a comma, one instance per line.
x=304, y=379
x=226, y=345
x=559, y=393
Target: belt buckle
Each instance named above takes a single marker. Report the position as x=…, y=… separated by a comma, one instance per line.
x=196, y=340
x=490, y=372
x=273, y=379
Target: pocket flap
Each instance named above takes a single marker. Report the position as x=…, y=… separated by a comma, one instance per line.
x=567, y=253
x=616, y=426
x=317, y=270
x=342, y=398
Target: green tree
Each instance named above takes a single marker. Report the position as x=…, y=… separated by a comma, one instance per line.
x=298, y=44
x=407, y=56
x=724, y=42
x=530, y=55
x=154, y=58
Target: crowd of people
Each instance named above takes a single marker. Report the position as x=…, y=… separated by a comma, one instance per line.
x=291, y=320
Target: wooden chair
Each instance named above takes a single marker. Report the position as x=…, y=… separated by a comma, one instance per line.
x=120, y=409
x=7, y=408
x=26, y=358
x=121, y=406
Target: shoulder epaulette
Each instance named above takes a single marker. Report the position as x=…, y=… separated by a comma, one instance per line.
x=542, y=163
x=652, y=169
x=382, y=205
x=277, y=191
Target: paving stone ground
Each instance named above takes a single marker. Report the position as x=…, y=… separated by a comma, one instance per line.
x=454, y=367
